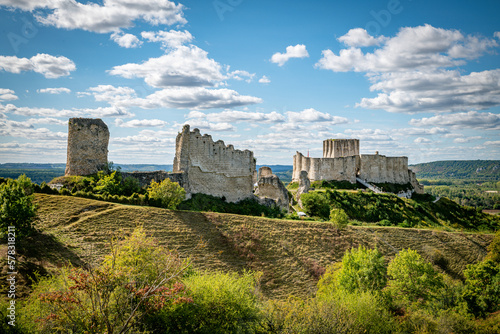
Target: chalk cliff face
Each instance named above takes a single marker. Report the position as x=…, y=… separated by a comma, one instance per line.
x=270, y=186
x=342, y=162
x=213, y=168
x=88, y=140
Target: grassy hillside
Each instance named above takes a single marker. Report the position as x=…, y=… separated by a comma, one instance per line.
x=459, y=169
x=291, y=254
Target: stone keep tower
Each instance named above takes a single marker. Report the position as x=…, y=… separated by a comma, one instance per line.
x=339, y=148
x=88, y=140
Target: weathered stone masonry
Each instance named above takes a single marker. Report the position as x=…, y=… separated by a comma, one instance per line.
x=87, y=146
x=212, y=167
x=342, y=162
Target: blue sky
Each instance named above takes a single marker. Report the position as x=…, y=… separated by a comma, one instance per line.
x=414, y=78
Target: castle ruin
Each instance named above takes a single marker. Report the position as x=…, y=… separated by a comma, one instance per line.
x=342, y=162
x=88, y=140
x=212, y=167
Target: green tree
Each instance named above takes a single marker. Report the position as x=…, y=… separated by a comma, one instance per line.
x=362, y=270
x=482, y=287
x=166, y=194
x=482, y=282
x=315, y=204
x=16, y=206
x=413, y=279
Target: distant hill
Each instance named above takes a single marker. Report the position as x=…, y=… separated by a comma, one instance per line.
x=459, y=169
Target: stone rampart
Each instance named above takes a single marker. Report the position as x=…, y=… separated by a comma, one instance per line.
x=340, y=169
x=88, y=140
x=212, y=167
x=377, y=168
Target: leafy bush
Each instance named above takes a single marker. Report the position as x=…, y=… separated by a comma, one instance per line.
x=166, y=194
x=138, y=277
x=412, y=279
x=109, y=183
x=315, y=204
x=222, y=303
x=362, y=270
x=16, y=206
x=339, y=312
x=339, y=218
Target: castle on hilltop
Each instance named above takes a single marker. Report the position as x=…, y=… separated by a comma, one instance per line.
x=342, y=162
x=200, y=164
x=214, y=168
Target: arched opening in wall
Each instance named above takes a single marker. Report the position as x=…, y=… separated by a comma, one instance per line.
x=357, y=172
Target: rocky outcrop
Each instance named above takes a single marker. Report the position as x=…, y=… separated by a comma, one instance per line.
x=88, y=140
x=304, y=185
x=270, y=186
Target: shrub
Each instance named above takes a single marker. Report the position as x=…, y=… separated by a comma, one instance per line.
x=130, y=186
x=109, y=183
x=315, y=204
x=340, y=312
x=339, y=218
x=362, y=270
x=222, y=303
x=138, y=277
x=16, y=206
x=166, y=194
x=412, y=279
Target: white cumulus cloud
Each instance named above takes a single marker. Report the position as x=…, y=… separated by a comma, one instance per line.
x=472, y=120
x=108, y=17
x=297, y=51
x=7, y=94
x=168, y=39
x=360, y=37
x=264, y=80
x=50, y=66
x=125, y=40
x=185, y=66
x=411, y=70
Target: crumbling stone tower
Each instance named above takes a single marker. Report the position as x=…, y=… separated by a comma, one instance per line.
x=339, y=148
x=88, y=140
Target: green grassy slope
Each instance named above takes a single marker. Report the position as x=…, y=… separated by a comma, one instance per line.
x=291, y=254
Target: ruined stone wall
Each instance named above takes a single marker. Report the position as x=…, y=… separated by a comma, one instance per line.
x=377, y=168
x=340, y=169
x=339, y=148
x=88, y=140
x=212, y=167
